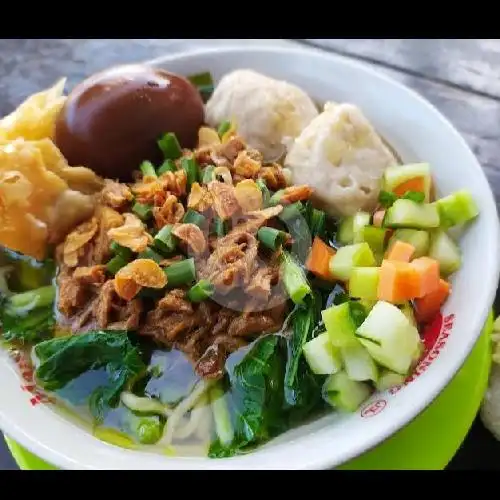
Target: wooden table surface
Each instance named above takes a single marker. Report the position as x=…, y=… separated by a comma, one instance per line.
x=460, y=77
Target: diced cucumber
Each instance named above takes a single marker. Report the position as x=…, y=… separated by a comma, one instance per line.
x=355, y=255
x=340, y=325
x=418, y=239
x=322, y=357
x=375, y=237
x=345, y=233
x=408, y=312
x=388, y=379
x=418, y=352
x=359, y=365
x=443, y=249
x=389, y=337
x=359, y=221
x=364, y=283
x=343, y=393
x=457, y=208
x=396, y=175
x=412, y=215
x=367, y=304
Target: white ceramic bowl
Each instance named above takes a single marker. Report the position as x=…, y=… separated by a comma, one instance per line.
x=418, y=132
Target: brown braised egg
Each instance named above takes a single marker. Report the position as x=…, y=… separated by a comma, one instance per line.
x=111, y=121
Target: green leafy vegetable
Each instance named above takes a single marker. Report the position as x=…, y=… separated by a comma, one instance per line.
x=293, y=217
x=316, y=220
x=358, y=312
x=256, y=397
x=386, y=198
x=415, y=196
x=5, y=290
x=271, y=388
x=302, y=391
x=32, y=327
x=28, y=317
x=63, y=359
x=303, y=321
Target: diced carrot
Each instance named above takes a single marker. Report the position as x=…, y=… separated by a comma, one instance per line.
x=398, y=282
x=416, y=184
x=428, y=269
x=400, y=251
x=318, y=260
x=428, y=306
x=378, y=218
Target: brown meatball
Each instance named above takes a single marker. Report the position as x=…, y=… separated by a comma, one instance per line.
x=112, y=120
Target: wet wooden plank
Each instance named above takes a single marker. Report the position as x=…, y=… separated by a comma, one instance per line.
x=471, y=64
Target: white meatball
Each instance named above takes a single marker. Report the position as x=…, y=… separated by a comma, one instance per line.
x=265, y=111
x=340, y=155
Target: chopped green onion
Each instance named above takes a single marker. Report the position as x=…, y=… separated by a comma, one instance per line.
x=146, y=428
x=291, y=212
x=41, y=297
x=201, y=79
x=294, y=279
x=266, y=194
x=201, y=291
x=208, y=174
x=271, y=238
x=276, y=197
x=170, y=146
x=148, y=169
x=149, y=253
x=204, y=83
x=191, y=168
x=223, y=128
x=143, y=211
x=317, y=222
x=124, y=252
x=296, y=225
x=194, y=217
x=180, y=273
x=167, y=166
x=219, y=227
x=164, y=240
x=115, y=264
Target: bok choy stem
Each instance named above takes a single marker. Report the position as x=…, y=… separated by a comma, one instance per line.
x=41, y=297
x=222, y=417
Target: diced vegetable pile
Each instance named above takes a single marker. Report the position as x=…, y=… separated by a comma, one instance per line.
x=396, y=265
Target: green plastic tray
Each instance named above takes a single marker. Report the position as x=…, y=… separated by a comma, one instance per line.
x=444, y=423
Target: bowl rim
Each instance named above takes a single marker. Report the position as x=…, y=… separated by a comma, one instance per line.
x=129, y=459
